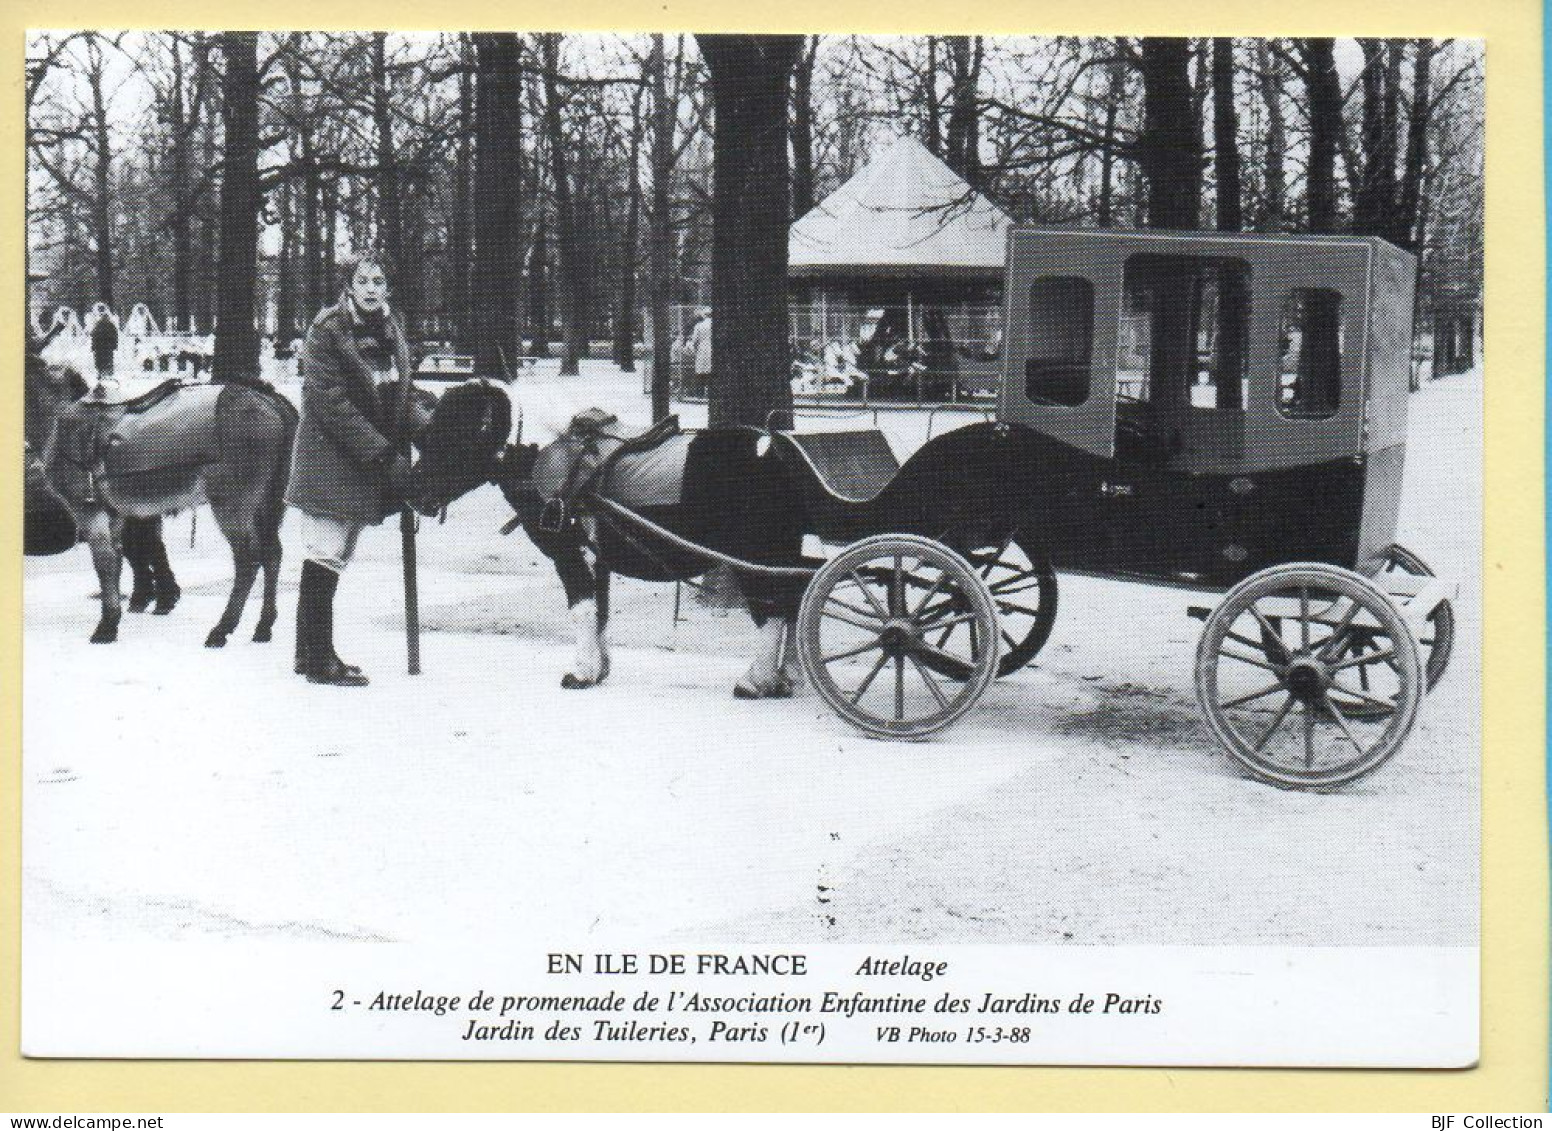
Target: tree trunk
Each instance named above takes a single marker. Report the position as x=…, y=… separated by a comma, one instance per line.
x=498, y=206
x=751, y=354
x=285, y=288
x=932, y=106
x=539, y=288
x=1115, y=93
x=964, y=116
x=237, y=339
x=390, y=199
x=179, y=219
x=625, y=319
x=1271, y=82
x=458, y=234
x=660, y=261
x=1405, y=231
x=1322, y=308
x=102, y=210
x=567, y=244
x=1233, y=297
x=1170, y=153
x=1325, y=112
x=803, y=128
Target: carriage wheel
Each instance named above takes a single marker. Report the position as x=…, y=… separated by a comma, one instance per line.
x=1023, y=586
x=868, y=631
x=1284, y=691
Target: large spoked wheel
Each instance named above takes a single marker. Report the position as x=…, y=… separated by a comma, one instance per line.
x=1023, y=587
x=1279, y=681
x=868, y=632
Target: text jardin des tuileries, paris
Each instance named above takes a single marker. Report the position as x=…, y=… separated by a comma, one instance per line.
x=651, y=1012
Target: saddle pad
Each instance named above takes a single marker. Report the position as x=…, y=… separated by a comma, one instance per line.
x=650, y=478
x=854, y=467
x=178, y=430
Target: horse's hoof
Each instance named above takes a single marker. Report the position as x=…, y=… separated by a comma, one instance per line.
x=139, y=604
x=779, y=690
x=215, y=640
x=105, y=634
x=573, y=683
x=261, y=634
x=165, y=603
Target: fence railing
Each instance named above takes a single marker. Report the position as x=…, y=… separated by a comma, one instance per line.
x=912, y=354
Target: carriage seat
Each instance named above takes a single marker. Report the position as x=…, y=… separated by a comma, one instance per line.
x=101, y=395
x=850, y=467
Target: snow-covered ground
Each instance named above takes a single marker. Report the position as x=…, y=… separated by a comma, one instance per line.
x=175, y=792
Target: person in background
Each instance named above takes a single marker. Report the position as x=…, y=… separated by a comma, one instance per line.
x=698, y=347
x=350, y=469
x=105, y=340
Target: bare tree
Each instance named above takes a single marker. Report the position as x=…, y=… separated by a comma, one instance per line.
x=750, y=76
x=498, y=203
x=237, y=338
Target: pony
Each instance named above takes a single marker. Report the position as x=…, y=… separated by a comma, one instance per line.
x=120, y=517
x=735, y=500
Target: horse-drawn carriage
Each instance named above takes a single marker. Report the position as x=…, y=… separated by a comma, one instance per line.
x=1215, y=412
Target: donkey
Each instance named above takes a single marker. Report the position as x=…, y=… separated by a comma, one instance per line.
x=734, y=499
x=119, y=516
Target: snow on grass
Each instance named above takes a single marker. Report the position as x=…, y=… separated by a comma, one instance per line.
x=175, y=792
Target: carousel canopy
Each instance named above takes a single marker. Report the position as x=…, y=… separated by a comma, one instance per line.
x=904, y=213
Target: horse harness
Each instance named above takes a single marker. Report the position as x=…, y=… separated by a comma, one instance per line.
x=568, y=470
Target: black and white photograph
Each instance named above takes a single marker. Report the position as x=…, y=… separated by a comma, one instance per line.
x=735, y=547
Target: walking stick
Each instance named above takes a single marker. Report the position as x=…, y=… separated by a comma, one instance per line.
x=411, y=588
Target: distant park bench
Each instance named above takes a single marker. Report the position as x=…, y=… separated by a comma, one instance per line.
x=438, y=366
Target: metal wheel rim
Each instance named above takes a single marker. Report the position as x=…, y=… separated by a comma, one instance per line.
x=1298, y=697
x=846, y=619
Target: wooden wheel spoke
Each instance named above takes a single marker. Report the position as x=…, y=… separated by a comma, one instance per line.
x=1253, y=696
x=958, y=668
x=1309, y=736
x=878, y=609
x=869, y=625
x=1304, y=618
x=1339, y=633
x=1282, y=713
x=857, y=610
x=930, y=594
x=899, y=688
x=1267, y=626
x=1254, y=645
x=846, y=654
x=1251, y=660
x=932, y=684
x=951, y=622
x=1365, y=659
x=1341, y=721
x=1005, y=588
x=862, y=688
x=1373, y=701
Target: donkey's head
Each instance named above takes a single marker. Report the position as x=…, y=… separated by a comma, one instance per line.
x=463, y=444
x=49, y=390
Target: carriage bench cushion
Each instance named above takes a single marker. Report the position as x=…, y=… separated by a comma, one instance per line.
x=853, y=467
x=175, y=430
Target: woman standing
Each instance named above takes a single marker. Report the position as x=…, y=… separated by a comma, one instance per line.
x=350, y=468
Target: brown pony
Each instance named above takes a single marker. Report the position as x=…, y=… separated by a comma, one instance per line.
x=242, y=477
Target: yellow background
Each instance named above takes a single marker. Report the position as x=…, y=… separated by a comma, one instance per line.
x=1513, y=1071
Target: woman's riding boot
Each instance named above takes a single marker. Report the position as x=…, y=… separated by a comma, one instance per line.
x=304, y=622
x=323, y=665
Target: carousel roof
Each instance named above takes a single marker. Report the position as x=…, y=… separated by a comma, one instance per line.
x=905, y=212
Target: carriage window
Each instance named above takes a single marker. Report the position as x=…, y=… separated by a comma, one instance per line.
x=1309, y=372
x=1185, y=327
x=1061, y=336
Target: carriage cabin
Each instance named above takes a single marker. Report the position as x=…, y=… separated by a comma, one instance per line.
x=1240, y=398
